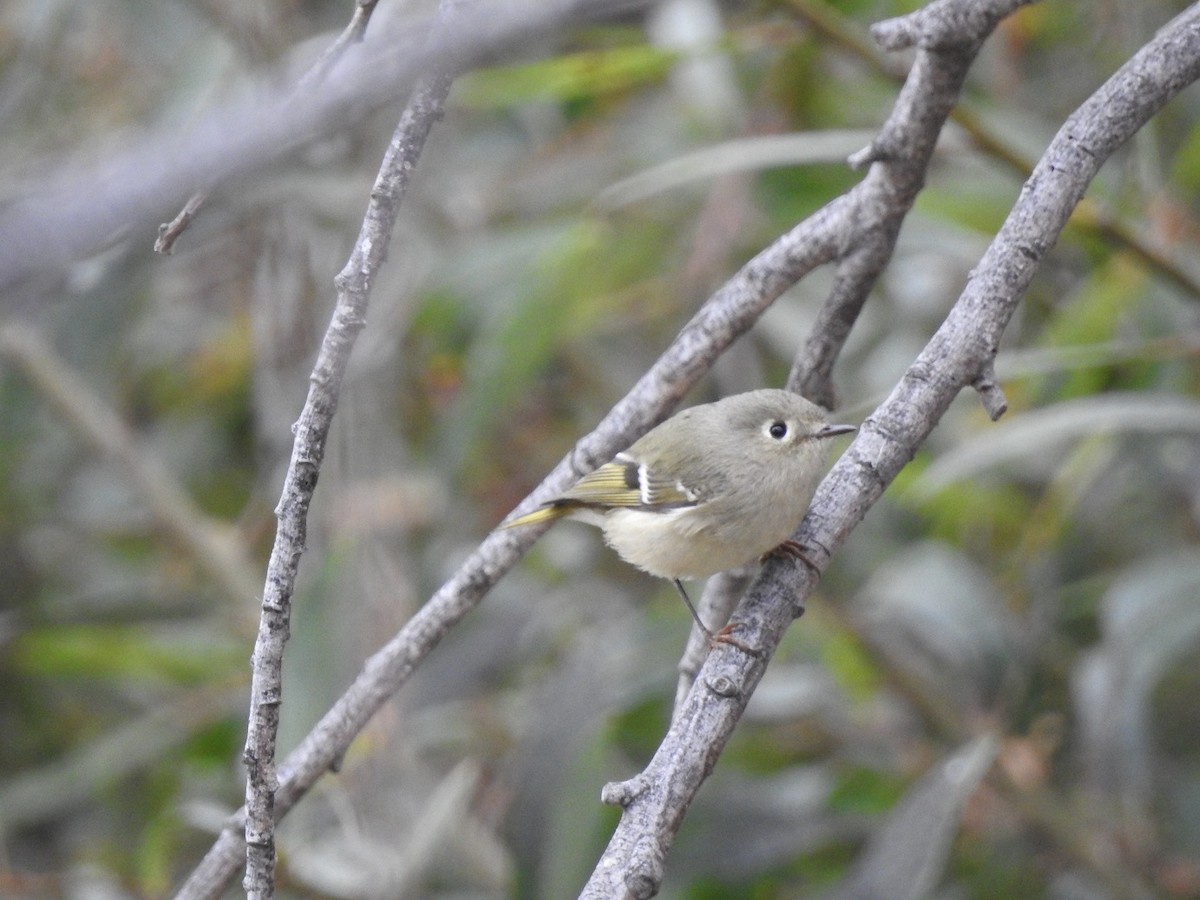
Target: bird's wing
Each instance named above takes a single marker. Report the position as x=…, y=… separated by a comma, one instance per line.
x=625, y=482
x=613, y=484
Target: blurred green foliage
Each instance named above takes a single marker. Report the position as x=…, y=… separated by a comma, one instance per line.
x=576, y=80
x=1047, y=596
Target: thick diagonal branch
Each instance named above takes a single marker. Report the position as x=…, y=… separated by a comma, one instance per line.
x=654, y=803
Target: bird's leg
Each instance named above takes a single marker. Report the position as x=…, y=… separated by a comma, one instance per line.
x=723, y=636
x=794, y=550
x=695, y=615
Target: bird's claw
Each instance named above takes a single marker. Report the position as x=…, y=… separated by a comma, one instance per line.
x=795, y=551
x=725, y=636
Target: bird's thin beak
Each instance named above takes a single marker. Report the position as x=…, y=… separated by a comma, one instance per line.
x=831, y=430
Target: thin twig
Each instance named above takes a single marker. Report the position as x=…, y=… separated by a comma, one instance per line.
x=352, y=34
x=169, y=232
x=349, y=317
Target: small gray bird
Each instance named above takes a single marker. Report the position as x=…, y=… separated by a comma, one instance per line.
x=713, y=487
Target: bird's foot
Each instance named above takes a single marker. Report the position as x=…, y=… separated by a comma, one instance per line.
x=725, y=636
x=795, y=551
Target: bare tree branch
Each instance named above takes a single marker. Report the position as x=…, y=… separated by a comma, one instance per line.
x=1088, y=215
x=352, y=34
x=902, y=150
x=962, y=349
x=169, y=232
x=79, y=210
x=426, y=107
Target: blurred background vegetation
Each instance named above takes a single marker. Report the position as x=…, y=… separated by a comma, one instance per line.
x=1034, y=582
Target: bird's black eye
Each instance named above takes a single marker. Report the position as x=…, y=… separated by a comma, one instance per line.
x=778, y=430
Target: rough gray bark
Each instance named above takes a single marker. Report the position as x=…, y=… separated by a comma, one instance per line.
x=312, y=430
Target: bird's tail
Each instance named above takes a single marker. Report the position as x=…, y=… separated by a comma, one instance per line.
x=546, y=513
